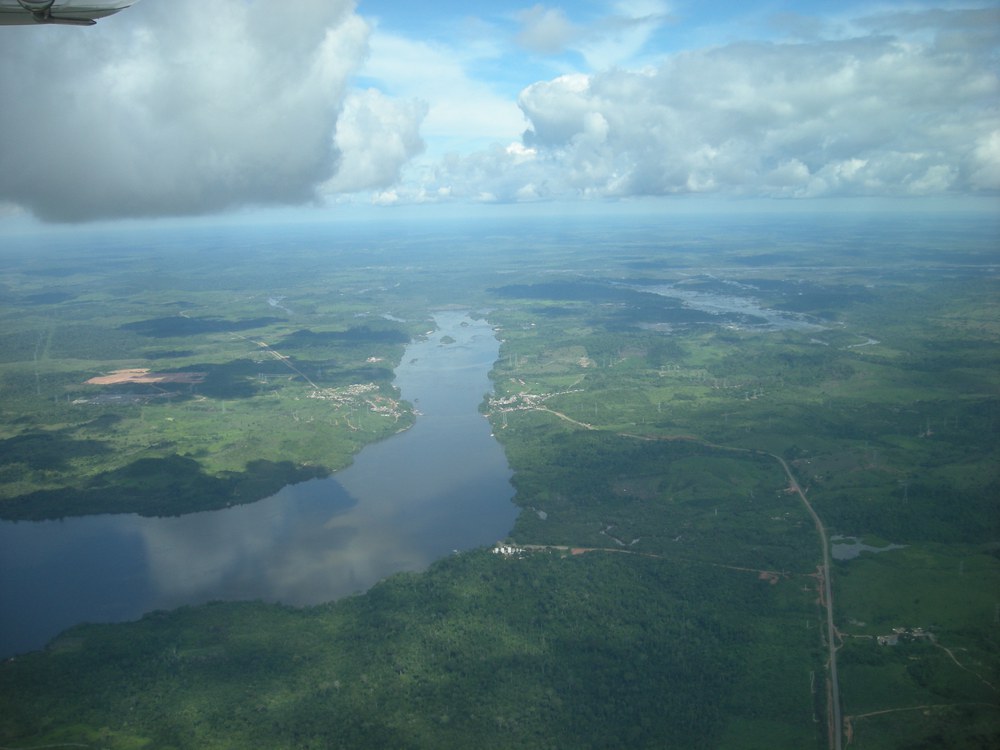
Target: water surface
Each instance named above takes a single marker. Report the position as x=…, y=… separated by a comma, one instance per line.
x=848, y=547
x=442, y=485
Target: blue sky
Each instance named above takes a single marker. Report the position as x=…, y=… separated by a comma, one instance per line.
x=182, y=107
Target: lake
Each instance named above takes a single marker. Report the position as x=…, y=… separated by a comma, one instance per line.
x=442, y=485
x=740, y=304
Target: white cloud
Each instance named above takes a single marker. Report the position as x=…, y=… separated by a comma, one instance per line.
x=615, y=38
x=376, y=136
x=460, y=109
x=191, y=108
x=386, y=198
x=985, y=162
x=900, y=107
x=175, y=108
x=546, y=30
x=874, y=115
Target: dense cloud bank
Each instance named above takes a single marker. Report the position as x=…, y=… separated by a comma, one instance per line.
x=176, y=107
x=187, y=107
x=878, y=114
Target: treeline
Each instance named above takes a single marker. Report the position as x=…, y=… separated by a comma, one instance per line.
x=544, y=651
x=168, y=486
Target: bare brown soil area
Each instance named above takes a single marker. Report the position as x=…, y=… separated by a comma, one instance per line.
x=140, y=375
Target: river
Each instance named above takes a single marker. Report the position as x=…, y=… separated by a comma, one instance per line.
x=442, y=485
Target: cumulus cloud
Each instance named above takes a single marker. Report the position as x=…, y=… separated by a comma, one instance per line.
x=376, y=136
x=176, y=108
x=870, y=115
x=188, y=107
x=461, y=109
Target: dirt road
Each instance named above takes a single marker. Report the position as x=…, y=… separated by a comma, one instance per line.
x=833, y=709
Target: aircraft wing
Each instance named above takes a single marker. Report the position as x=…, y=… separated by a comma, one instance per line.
x=71, y=12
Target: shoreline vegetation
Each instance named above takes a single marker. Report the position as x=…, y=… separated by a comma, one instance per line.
x=164, y=443
x=674, y=458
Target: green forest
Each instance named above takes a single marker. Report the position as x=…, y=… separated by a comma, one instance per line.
x=675, y=398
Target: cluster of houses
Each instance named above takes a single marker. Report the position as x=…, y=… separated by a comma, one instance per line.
x=525, y=400
x=904, y=634
x=508, y=550
x=365, y=392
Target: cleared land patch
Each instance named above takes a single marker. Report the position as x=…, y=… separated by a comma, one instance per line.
x=143, y=375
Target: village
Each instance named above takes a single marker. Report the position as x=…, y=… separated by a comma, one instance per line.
x=366, y=393
x=524, y=401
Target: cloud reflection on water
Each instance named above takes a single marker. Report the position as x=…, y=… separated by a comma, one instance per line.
x=406, y=501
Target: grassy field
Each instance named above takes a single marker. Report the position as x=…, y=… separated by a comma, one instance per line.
x=292, y=376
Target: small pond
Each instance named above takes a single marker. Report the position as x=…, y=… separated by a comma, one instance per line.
x=848, y=547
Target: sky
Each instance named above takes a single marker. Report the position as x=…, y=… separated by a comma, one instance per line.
x=186, y=107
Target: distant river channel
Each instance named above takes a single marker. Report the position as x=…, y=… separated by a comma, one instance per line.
x=442, y=485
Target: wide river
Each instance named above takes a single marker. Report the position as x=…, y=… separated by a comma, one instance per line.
x=442, y=485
